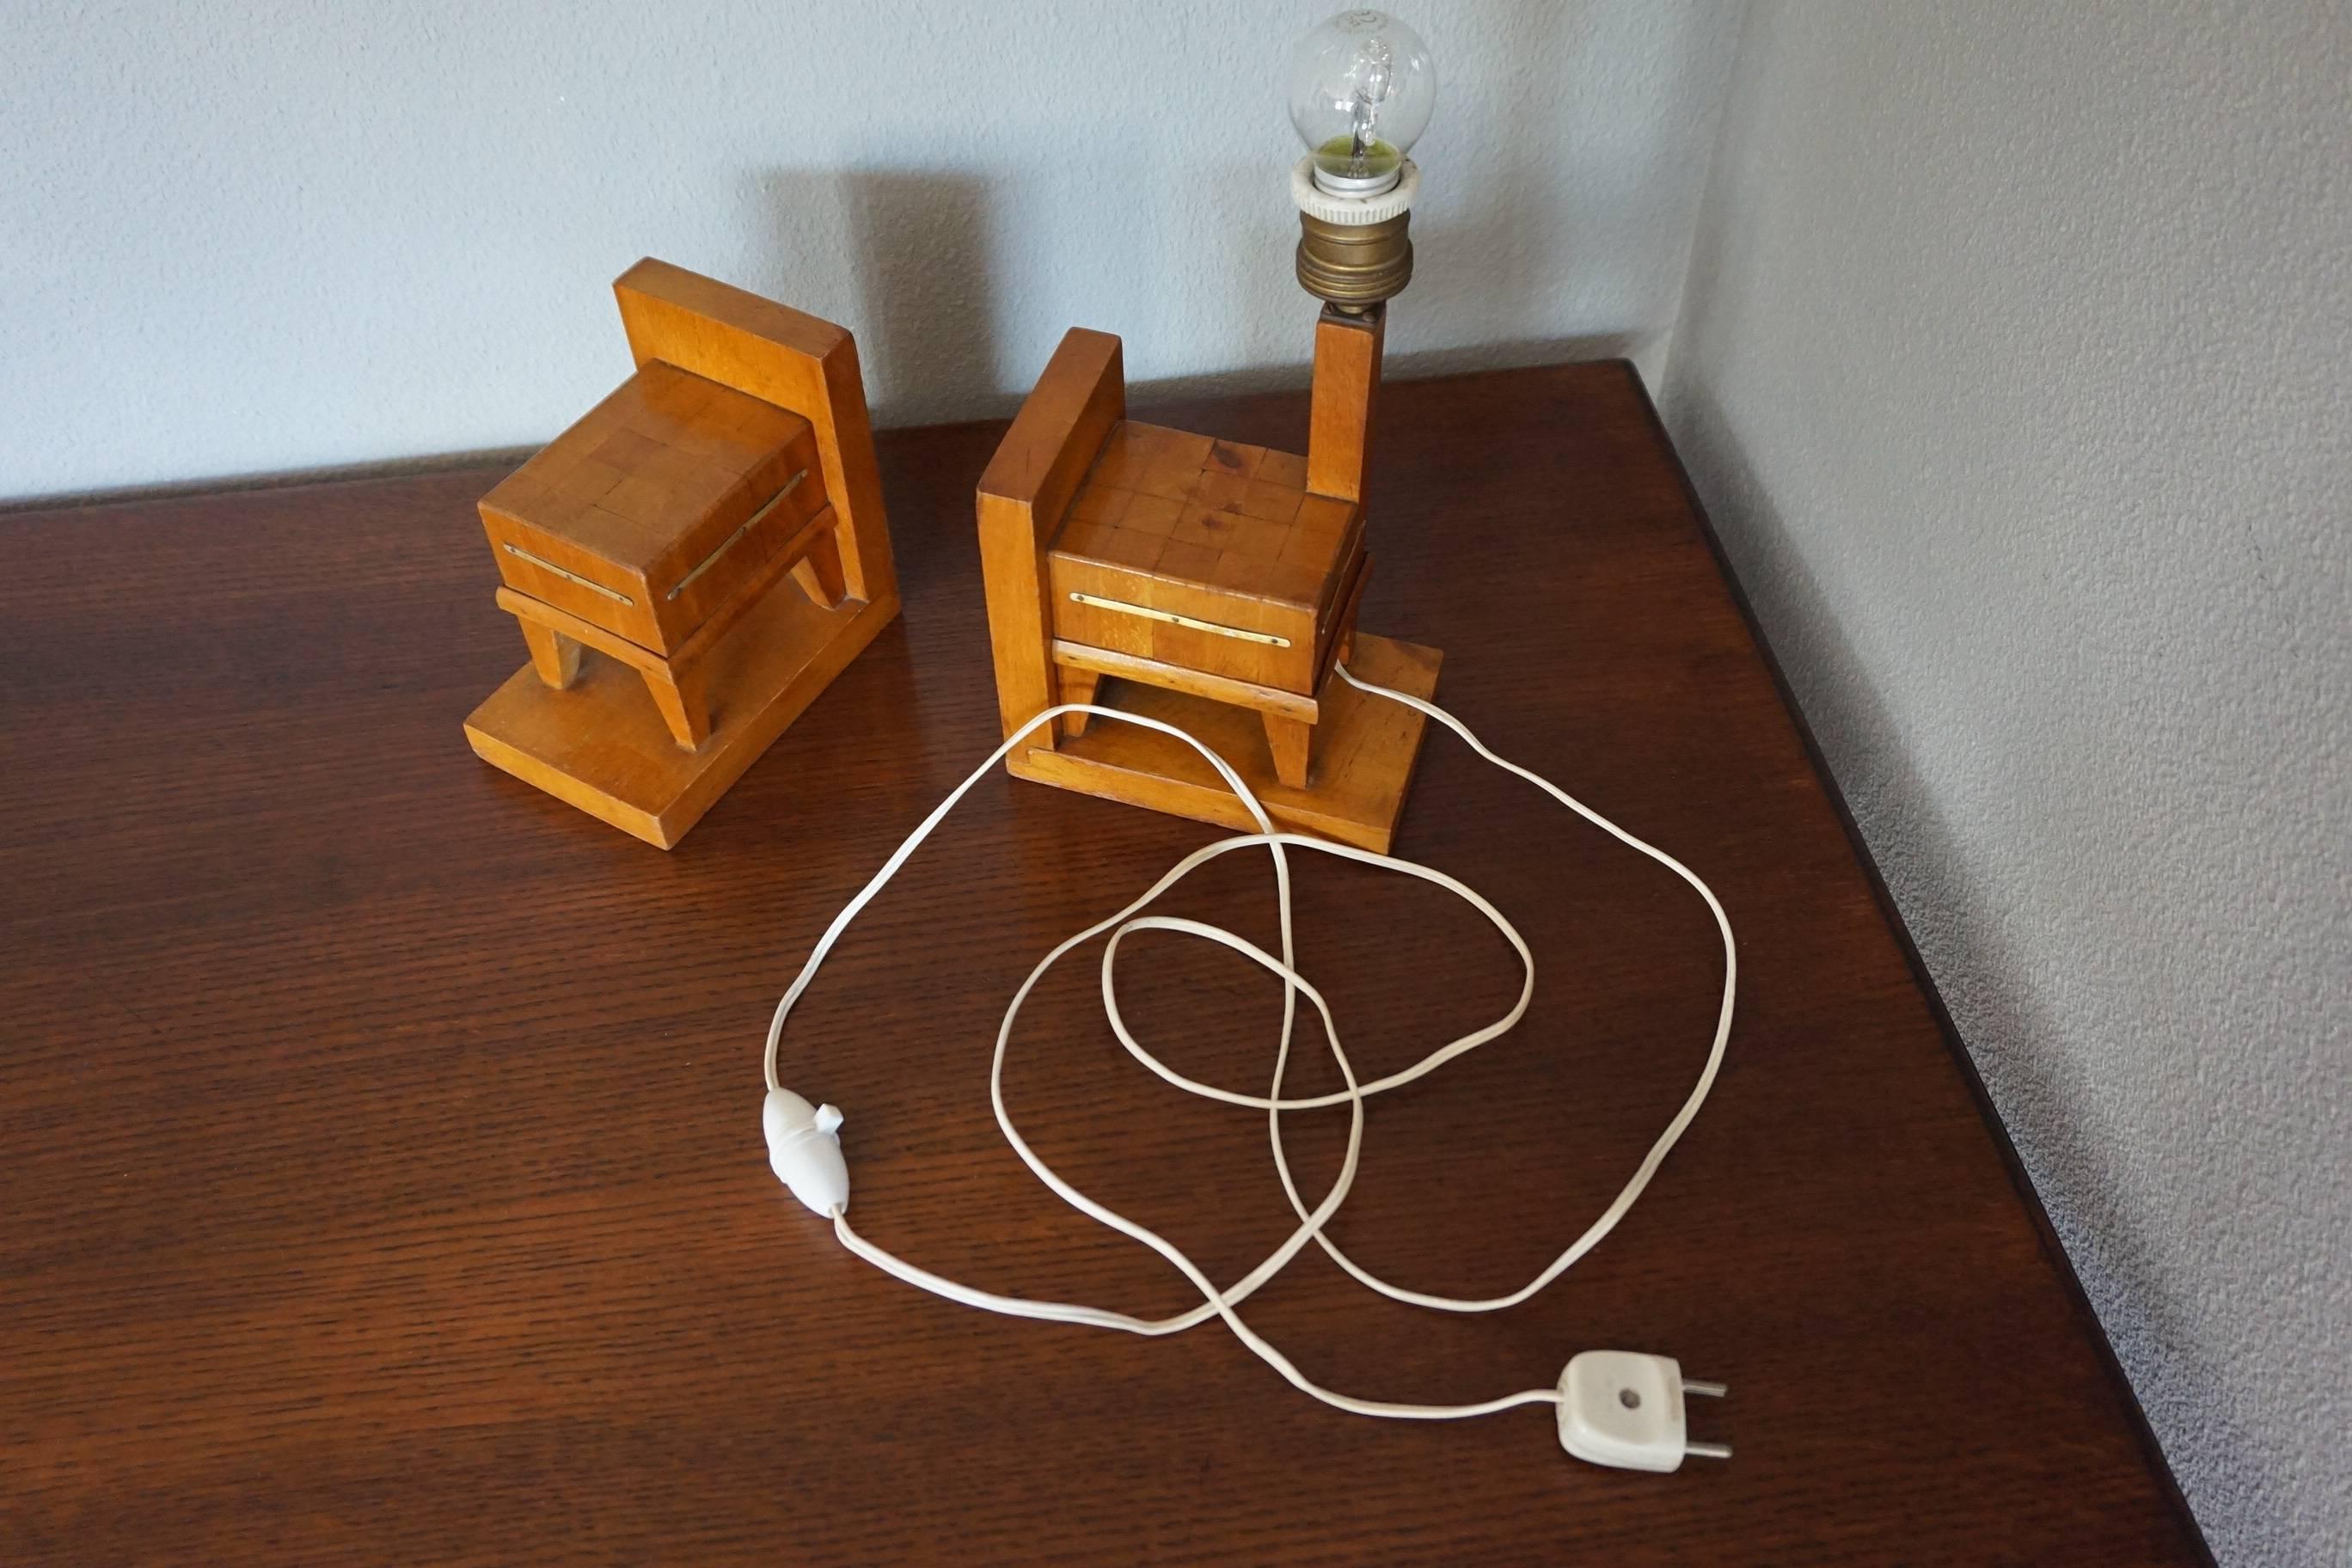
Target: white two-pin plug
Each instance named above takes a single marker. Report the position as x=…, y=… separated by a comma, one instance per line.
x=1625, y=1409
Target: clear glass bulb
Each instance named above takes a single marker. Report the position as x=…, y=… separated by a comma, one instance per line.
x=1361, y=88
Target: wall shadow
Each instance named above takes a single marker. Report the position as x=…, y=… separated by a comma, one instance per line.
x=923, y=266
x=2010, y=1056
x=904, y=260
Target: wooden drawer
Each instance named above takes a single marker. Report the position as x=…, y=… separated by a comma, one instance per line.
x=658, y=508
x=1205, y=555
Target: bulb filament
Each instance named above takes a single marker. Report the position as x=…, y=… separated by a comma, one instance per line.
x=1373, y=73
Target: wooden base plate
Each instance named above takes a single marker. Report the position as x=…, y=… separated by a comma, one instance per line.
x=1365, y=748
x=601, y=744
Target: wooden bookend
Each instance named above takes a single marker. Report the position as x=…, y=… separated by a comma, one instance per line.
x=712, y=532
x=1208, y=583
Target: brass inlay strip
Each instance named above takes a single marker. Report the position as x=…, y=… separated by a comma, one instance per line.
x=545, y=565
x=750, y=523
x=1187, y=622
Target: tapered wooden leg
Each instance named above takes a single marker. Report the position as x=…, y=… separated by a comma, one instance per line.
x=1288, y=738
x=819, y=571
x=553, y=655
x=1078, y=686
x=680, y=698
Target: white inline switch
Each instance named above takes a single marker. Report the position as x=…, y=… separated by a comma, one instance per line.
x=804, y=1149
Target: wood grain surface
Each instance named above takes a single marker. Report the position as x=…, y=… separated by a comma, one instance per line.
x=380, y=1145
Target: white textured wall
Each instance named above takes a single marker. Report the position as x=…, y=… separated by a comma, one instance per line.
x=2012, y=367
x=239, y=237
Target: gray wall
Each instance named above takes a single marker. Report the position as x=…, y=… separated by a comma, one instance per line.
x=2012, y=369
x=240, y=236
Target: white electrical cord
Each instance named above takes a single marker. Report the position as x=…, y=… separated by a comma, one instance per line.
x=1222, y=1303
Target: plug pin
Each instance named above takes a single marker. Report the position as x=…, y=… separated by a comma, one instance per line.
x=1700, y=1386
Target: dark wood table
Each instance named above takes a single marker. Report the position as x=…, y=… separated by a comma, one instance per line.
x=383, y=1170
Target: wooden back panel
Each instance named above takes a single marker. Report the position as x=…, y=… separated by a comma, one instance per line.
x=1340, y=409
x=1027, y=486
x=782, y=356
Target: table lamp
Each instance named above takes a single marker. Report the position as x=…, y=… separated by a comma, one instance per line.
x=1211, y=583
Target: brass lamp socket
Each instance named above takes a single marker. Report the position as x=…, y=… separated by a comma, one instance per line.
x=1354, y=267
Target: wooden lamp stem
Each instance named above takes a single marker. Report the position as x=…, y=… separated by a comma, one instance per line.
x=1339, y=418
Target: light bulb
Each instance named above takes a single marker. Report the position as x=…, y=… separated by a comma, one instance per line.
x=1361, y=88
